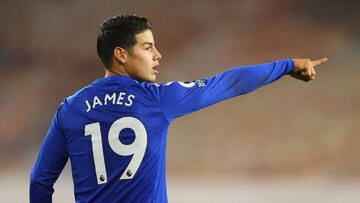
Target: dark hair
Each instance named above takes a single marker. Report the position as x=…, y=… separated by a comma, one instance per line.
x=119, y=31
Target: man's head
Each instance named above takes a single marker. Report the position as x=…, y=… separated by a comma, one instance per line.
x=126, y=46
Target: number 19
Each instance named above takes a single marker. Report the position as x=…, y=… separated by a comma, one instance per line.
x=137, y=148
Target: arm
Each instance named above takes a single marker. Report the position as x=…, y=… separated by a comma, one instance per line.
x=49, y=164
x=178, y=98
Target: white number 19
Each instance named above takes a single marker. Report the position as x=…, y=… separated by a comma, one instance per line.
x=137, y=148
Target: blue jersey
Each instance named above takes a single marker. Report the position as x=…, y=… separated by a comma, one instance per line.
x=114, y=132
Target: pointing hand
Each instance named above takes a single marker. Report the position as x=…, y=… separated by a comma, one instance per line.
x=304, y=69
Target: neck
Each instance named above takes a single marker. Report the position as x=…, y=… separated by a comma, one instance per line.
x=115, y=71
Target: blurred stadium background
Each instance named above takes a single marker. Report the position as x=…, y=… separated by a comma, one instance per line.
x=287, y=142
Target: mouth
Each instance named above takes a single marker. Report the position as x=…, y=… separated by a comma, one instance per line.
x=154, y=69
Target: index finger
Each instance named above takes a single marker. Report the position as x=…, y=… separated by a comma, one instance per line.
x=319, y=61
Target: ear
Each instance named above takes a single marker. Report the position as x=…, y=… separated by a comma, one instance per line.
x=120, y=54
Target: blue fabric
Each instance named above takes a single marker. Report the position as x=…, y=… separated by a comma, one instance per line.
x=104, y=104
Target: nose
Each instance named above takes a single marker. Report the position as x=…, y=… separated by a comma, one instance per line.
x=157, y=55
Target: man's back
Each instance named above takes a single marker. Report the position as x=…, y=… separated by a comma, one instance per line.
x=114, y=135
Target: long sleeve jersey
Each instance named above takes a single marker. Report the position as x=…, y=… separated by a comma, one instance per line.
x=114, y=132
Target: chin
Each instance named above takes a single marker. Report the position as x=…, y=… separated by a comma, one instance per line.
x=147, y=80
x=151, y=78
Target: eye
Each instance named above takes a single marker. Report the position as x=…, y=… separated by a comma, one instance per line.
x=148, y=48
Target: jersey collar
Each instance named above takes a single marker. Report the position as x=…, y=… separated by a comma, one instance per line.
x=121, y=78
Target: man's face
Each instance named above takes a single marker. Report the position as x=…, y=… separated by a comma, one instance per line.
x=144, y=58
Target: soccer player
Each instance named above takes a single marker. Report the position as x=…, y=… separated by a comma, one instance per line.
x=114, y=130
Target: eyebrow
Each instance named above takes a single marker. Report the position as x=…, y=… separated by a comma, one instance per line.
x=149, y=43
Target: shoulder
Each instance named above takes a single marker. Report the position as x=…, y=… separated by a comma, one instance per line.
x=77, y=96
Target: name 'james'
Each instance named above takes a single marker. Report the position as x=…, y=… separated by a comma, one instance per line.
x=121, y=98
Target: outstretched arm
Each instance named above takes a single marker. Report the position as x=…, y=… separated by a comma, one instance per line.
x=180, y=98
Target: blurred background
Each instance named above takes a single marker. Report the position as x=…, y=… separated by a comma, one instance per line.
x=287, y=142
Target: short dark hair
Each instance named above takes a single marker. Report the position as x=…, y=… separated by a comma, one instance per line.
x=119, y=31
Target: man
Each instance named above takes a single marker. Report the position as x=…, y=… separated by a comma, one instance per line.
x=114, y=130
